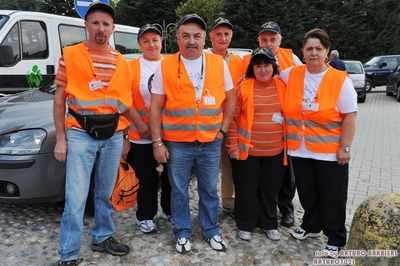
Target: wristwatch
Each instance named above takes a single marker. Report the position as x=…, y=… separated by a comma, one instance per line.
x=346, y=149
x=126, y=136
x=223, y=133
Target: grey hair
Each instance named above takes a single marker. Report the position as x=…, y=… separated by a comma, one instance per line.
x=335, y=53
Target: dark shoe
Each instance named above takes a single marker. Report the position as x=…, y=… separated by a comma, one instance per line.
x=70, y=262
x=288, y=220
x=230, y=211
x=112, y=246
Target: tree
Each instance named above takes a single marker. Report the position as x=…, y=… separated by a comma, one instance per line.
x=139, y=12
x=33, y=5
x=60, y=7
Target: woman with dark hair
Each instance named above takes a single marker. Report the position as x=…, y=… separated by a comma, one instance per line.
x=320, y=107
x=256, y=148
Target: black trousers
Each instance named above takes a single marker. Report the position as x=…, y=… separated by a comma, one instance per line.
x=141, y=158
x=287, y=191
x=257, y=182
x=322, y=188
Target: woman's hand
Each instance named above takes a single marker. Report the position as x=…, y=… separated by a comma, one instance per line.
x=234, y=155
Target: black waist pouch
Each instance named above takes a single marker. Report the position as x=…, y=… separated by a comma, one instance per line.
x=97, y=126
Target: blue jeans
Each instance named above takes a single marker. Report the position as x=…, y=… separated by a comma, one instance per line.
x=83, y=153
x=206, y=158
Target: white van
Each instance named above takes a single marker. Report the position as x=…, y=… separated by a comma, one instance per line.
x=31, y=44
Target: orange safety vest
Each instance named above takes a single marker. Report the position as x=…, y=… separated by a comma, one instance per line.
x=138, y=100
x=246, y=119
x=183, y=119
x=285, y=59
x=235, y=68
x=116, y=98
x=322, y=128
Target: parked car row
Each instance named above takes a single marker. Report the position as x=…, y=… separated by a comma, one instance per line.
x=357, y=75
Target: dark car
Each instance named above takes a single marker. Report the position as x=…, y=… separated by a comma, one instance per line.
x=393, y=84
x=356, y=71
x=379, y=68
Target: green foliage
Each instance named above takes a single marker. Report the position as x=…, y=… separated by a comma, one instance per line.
x=59, y=7
x=32, y=5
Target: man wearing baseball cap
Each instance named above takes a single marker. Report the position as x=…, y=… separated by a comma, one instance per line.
x=221, y=36
x=188, y=124
x=269, y=35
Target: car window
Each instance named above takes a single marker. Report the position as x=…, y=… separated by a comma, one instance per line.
x=353, y=68
x=391, y=62
x=373, y=62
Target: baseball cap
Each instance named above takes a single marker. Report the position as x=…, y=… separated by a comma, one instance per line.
x=263, y=51
x=195, y=18
x=147, y=27
x=221, y=21
x=101, y=6
x=270, y=26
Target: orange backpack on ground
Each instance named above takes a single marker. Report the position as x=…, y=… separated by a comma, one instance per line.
x=126, y=187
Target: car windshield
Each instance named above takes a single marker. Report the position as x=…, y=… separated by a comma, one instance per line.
x=373, y=62
x=353, y=68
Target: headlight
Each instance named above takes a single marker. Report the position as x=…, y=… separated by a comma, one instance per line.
x=359, y=83
x=22, y=142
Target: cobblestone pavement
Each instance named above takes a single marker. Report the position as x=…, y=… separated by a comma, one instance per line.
x=29, y=232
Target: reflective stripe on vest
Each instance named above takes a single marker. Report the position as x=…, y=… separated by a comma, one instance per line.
x=116, y=98
x=320, y=129
x=182, y=118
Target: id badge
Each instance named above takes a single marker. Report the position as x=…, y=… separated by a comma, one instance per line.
x=313, y=107
x=95, y=85
x=209, y=100
x=277, y=117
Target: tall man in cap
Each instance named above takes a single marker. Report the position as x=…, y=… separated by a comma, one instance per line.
x=269, y=35
x=187, y=125
x=98, y=84
x=221, y=35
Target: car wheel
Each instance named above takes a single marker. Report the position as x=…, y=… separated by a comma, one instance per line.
x=362, y=97
x=368, y=85
x=398, y=93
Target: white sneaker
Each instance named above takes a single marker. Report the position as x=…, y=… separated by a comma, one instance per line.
x=301, y=234
x=183, y=245
x=332, y=251
x=244, y=235
x=164, y=216
x=273, y=234
x=217, y=243
x=147, y=226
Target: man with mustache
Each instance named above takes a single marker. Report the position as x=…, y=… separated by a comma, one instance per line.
x=95, y=81
x=187, y=126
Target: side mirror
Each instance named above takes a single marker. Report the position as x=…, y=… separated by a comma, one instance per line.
x=382, y=65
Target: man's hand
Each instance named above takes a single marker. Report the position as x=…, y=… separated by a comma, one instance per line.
x=60, y=150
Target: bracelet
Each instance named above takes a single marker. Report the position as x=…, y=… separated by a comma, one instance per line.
x=155, y=140
x=158, y=145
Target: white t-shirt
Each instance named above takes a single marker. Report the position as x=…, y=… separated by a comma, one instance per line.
x=147, y=69
x=347, y=103
x=193, y=68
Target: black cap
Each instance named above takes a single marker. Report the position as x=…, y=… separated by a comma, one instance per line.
x=270, y=26
x=194, y=18
x=221, y=21
x=147, y=27
x=263, y=51
x=101, y=6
